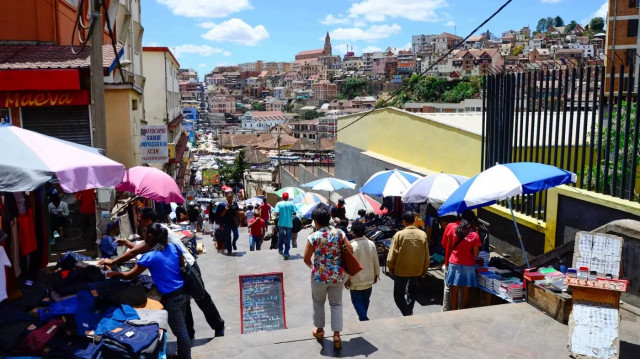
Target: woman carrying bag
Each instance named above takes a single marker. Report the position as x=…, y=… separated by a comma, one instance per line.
x=163, y=261
x=327, y=274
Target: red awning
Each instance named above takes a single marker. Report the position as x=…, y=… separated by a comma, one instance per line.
x=181, y=146
x=176, y=121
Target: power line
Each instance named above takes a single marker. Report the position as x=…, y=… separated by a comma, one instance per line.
x=384, y=102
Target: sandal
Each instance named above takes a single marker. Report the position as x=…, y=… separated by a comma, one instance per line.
x=318, y=334
x=337, y=343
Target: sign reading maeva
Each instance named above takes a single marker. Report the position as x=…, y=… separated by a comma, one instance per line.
x=153, y=144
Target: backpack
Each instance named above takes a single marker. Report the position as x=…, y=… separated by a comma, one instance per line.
x=297, y=225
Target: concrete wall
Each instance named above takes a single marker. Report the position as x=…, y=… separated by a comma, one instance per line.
x=304, y=175
x=123, y=126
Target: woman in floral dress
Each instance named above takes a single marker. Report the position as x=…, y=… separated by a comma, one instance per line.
x=326, y=272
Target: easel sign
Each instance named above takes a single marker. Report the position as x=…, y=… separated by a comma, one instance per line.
x=262, y=302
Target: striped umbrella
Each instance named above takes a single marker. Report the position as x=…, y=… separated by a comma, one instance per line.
x=501, y=182
x=434, y=188
x=305, y=209
x=309, y=197
x=292, y=191
x=329, y=184
x=389, y=183
x=361, y=201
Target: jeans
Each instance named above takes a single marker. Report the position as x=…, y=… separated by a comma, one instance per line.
x=255, y=241
x=403, y=289
x=176, y=307
x=294, y=240
x=228, y=229
x=284, y=239
x=319, y=294
x=446, y=297
x=360, y=300
x=206, y=305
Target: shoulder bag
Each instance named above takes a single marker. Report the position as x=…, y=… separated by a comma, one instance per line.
x=192, y=281
x=348, y=261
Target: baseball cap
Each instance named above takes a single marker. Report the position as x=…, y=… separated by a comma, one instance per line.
x=285, y=196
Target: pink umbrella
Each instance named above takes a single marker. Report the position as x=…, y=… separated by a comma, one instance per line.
x=150, y=182
x=361, y=201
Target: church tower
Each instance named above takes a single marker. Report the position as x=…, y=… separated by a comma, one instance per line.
x=327, y=45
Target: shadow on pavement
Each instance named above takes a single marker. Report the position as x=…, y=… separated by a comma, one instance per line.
x=353, y=347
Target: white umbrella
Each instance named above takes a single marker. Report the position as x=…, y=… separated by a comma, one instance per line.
x=434, y=188
x=360, y=201
x=389, y=183
x=329, y=184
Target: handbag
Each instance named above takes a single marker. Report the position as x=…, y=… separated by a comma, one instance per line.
x=349, y=262
x=192, y=281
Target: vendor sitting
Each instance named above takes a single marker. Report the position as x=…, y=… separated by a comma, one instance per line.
x=163, y=261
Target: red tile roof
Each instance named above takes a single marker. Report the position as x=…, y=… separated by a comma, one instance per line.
x=16, y=57
x=310, y=52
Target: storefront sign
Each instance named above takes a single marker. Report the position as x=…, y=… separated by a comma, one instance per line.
x=43, y=98
x=210, y=177
x=172, y=151
x=153, y=144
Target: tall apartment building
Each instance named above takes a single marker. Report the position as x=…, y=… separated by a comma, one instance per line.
x=422, y=43
x=622, y=43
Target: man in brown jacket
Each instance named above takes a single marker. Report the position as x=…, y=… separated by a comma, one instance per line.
x=408, y=260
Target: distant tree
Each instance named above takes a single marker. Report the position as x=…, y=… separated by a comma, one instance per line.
x=310, y=115
x=462, y=91
x=517, y=50
x=355, y=86
x=597, y=24
x=572, y=25
x=341, y=96
x=557, y=21
x=549, y=22
x=258, y=106
x=542, y=26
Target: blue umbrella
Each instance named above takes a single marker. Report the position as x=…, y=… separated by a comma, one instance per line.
x=501, y=182
x=434, y=189
x=389, y=183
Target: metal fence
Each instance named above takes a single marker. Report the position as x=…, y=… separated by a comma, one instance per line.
x=577, y=119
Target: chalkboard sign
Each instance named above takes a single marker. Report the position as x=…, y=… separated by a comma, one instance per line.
x=262, y=302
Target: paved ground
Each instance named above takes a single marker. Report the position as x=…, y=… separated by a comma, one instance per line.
x=503, y=331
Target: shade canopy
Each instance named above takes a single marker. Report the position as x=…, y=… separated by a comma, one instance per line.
x=309, y=198
x=434, y=189
x=29, y=159
x=389, y=183
x=361, y=201
x=329, y=184
x=150, y=182
x=503, y=181
x=292, y=191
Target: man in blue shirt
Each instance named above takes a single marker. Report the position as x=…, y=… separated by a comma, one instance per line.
x=285, y=210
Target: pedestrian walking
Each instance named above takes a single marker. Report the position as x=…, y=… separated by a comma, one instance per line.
x=296, y=227
x=265, y=212
x=257, y=231
x=230, y=222
x=327, y=273
x=407, y=261
x=361, y=285
x=285, y=210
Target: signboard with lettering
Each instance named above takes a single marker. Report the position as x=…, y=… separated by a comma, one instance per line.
x=154, y=144
x=262, y=302
x=210, y=177
x=43, y=98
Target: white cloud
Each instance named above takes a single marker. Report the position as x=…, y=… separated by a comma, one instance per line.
x=332, y=20
x=450, y=23
x=151, y=44
x=551, y=1
x=378, y=10
x=374, y=32
x=601, y=12
x=202, y=50
x=235, y=30
x=206, y=8
x=371, y=49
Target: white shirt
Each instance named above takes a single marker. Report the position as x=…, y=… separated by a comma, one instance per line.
x=174, y=238
x=4, y=262
x=62, y=209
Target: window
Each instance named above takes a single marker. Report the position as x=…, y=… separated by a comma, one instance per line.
x=134, y=105
x=633, y=3
x=632, y=28
x=630, y=57
x=5, y=116
x=74, y=3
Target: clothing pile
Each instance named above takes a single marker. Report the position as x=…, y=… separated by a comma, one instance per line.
x=74, y=311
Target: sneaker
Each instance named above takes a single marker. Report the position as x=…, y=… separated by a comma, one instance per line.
x=234, y=247
x=286, y=256
x=219, y=333
x=279, y=252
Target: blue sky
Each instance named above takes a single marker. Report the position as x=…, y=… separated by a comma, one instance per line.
x=206, y=33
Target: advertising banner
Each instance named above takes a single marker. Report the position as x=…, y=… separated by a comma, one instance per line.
x=154, y=144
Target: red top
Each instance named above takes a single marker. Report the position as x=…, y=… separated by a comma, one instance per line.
x=448, y=238
x=265, y=210
x=463, y=253
x=87, y=201
x=257, y=229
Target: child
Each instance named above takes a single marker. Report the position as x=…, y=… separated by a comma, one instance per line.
x=257, y=230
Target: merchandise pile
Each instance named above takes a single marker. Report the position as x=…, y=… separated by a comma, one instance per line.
x=501, y=282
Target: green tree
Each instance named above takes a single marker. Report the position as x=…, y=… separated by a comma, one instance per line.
x=549, y=22
x=572, y=25
x=557, y=21
x=597, y=24
x=517, y=50
x=462, y=91
x=355, y=86
x=609, y=133
x=542, y=25
x=310, y=115
x=239, y=167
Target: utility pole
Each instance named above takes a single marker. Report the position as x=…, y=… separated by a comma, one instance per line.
x=279, y=165
x=97, y=81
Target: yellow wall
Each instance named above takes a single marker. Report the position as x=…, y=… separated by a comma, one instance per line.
x=408, y=138
x=123, y=126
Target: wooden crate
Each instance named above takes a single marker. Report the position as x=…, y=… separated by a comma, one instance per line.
x=556, y=305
